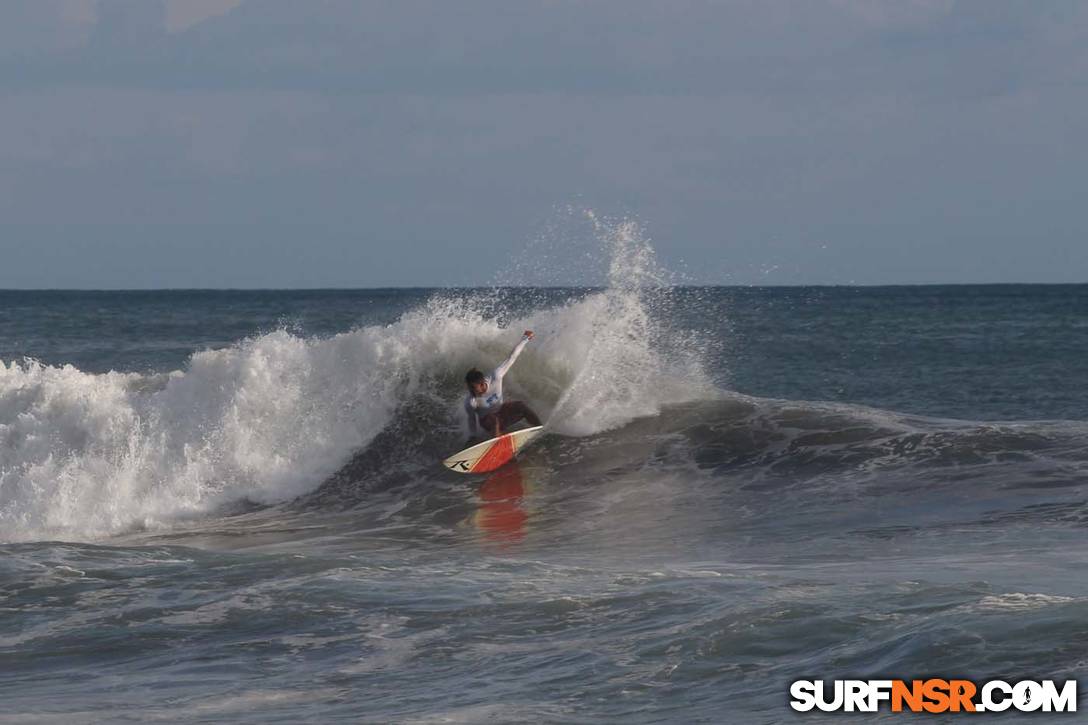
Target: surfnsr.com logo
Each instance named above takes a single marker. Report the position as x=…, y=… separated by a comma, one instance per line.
x=933, y=695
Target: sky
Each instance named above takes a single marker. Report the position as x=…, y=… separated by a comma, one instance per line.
x=357, y=143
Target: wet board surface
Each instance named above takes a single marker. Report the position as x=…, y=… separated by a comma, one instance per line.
x=489, y=455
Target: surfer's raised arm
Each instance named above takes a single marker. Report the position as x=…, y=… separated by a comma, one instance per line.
x=501, y=369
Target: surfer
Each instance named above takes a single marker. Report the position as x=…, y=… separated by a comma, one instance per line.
x=484, y=402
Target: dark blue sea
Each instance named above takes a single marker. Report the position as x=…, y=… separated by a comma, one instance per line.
x=228, y=506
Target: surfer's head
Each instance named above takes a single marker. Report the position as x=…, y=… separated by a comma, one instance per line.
x=476, y=382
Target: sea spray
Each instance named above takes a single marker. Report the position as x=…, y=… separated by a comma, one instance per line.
x=634, y=360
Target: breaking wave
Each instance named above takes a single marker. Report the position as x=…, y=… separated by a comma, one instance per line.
x=270, y=418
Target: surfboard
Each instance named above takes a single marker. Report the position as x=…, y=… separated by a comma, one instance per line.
x=489, y=455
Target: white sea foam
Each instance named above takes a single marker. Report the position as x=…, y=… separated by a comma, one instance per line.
x=1020, y=601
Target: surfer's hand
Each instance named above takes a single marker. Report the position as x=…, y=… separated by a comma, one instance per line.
x=528, y=334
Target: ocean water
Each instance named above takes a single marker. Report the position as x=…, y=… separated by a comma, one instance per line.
x=229, y=507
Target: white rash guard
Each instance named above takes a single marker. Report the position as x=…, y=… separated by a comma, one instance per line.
x=477, y=406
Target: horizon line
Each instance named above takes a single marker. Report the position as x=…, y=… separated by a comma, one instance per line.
x=541, y=287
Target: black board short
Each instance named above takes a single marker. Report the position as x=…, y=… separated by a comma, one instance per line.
x=507, y=414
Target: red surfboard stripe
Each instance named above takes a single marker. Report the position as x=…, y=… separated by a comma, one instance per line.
x=496, y=455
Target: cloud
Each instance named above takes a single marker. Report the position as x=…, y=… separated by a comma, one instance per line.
x=838, y=48
x=899, y=14
x=184, y=14
x=79, y=13
x=45, y=28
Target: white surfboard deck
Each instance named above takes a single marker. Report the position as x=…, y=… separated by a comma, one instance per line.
x=489, y=455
